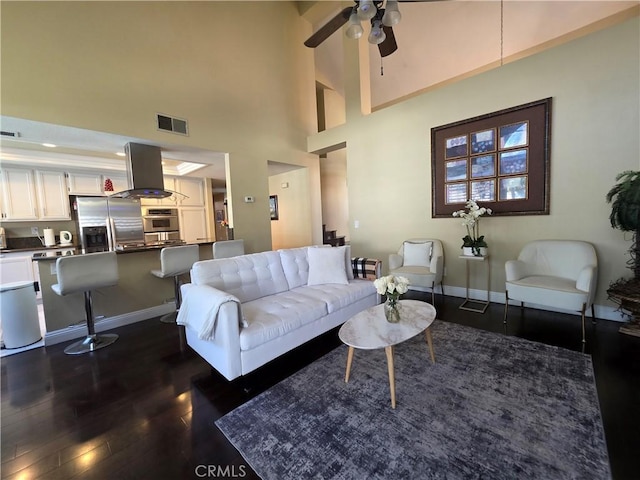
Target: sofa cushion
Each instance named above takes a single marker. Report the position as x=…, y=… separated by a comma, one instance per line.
x=247, y=277
x=295, y=264
x=417, y=254
x=338, y=296
x=327, y=265
x=274, y=316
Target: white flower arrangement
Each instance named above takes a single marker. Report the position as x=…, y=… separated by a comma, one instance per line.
x=470, y=220
x=394, y=285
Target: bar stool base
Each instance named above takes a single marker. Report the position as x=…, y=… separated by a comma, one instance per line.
x=91, y=343
x=169, y=317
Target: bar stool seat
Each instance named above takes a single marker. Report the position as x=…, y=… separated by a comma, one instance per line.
x=84, y=273
x=228, y=248
x=176, y=261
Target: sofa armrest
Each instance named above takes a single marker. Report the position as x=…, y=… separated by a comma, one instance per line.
x=395, y=261
x=586, y=279
x=206, y=309
x=515, y=270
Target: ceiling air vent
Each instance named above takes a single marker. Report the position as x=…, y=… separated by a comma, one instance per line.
x=171, y=124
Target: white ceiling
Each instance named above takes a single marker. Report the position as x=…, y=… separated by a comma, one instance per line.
x=96, y=147
x=443, y=40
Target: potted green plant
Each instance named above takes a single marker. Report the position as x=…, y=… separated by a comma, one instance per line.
x=625, y=215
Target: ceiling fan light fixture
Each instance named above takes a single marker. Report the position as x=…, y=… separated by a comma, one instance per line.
x=377, y=35
x=391, y=14
x=366, y=10
x=354, y=29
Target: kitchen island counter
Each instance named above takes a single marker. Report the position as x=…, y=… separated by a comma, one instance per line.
x=139, y=295
x=54, y=254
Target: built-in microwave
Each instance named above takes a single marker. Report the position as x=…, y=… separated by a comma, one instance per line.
x=160, y=219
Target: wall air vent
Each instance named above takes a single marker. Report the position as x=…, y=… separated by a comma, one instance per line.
x=10, y=134
x=171, y=124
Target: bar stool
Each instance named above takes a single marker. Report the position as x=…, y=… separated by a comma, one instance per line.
x=84, y=273
x=228, y=248
x=176, y=261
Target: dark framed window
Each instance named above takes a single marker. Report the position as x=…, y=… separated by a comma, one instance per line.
x=500, y=160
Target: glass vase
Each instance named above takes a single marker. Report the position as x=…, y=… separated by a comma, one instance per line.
x=392, y=308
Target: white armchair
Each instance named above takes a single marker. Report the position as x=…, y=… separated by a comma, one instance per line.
x=555, y=273
x=421, y=260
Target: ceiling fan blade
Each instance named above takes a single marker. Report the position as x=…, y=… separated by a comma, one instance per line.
x=328, y=28
x=389, y=45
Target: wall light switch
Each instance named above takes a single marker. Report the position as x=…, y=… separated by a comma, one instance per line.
x=356, y=224
x=249, y=199
x=34, y=231
x=284, y=184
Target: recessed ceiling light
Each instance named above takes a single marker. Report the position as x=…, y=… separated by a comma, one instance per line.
x=120, y=154
x=49, y=145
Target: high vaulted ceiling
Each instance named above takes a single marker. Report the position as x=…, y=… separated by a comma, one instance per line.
x=437, y=42
x=443, y=40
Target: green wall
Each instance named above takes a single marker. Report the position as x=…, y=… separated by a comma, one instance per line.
x=595, y=85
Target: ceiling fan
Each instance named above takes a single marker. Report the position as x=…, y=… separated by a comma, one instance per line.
x=383, y=15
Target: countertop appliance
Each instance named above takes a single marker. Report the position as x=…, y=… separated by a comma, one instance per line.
x=120, y=220
x=160, y=224
x=65, y=238
x=3, y=238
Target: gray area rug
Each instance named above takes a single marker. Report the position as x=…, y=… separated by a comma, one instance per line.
x=491, y=407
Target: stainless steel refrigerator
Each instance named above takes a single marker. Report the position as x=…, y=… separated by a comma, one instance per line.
x=115, y=222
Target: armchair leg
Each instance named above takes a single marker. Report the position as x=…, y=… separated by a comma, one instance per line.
x=506, y=306
x=433, y=293
x=584, y=308
x=593, y=314
x=442, y=289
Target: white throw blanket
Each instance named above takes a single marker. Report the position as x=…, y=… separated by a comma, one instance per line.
x=199, y=310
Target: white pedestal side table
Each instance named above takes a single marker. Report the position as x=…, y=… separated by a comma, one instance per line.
x=370, y=330
x=483, y=304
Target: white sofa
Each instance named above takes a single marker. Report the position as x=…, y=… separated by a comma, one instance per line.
x=243, y=312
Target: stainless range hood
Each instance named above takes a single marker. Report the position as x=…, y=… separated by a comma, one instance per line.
x=144, y=172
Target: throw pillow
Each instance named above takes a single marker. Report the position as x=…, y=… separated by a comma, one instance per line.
x=327, y=265
x=417, y=254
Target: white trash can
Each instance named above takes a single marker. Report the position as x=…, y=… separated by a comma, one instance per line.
x=19, y=314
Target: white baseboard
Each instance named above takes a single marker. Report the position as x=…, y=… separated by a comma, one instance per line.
x=78, y=331
x=604, y=312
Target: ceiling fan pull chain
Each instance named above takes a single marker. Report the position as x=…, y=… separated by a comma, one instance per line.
x=501, y=32
x=381, y=68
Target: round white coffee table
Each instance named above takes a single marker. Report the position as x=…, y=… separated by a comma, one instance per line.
x=369, y=330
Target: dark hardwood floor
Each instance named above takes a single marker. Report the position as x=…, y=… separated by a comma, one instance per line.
x=145, y=407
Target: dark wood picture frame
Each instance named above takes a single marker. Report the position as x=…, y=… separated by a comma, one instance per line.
x=273, y=207
x=518, y=138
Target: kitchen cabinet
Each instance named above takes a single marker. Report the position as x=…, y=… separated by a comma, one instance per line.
x=19, y=267
x=29, y=195
x=85, y=183
x=16, y=267
x=53, y=200
x=193, y=224
x=193, y=188
x=18, y=195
